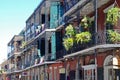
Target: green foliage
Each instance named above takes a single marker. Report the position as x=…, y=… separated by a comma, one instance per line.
x=86, y=22
x=113, y=36
x=70, y=31
x=113, y=15
x=23, y=44
x=1, y=71
x=68, y=43
x=83, y=37
x=72, y=37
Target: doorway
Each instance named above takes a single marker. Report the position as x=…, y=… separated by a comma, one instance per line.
x=111, y=68
x=89, y=72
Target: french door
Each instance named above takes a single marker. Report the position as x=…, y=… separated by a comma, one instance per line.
x=89, y=72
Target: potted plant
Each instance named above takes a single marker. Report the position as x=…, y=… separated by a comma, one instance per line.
x=113, y=36
x=72, y=37
x=70, y=31
x=69, y=40
x=68, y=43
x=23, y=44
x=83, y=37
x=113, y=15
x=85, y=22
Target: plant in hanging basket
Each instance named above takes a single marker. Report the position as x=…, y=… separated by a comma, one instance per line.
x=113, y=36
x=83, y=37
x=23, y=44
x=69, y=40
x=86, y=22
x=70, y=31
x=113, y=15
x=68, y=43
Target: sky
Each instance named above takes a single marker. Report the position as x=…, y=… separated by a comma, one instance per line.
x=13, y=15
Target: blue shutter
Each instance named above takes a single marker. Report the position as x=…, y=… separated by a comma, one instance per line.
x=55, y=14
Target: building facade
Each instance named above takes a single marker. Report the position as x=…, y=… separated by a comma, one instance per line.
x=3, y=69
x=39, y=51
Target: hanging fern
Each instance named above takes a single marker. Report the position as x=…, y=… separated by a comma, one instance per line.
x=113, y=36
x=113, y=15
x=70, y=31
x=68, y=43
x=83, y=37
x=72, y=37
x=23, y=44
x=86, y=22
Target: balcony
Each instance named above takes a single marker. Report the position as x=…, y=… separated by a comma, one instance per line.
x=34, y=61
x=14, y=46
x=10, y=54
x=99, y=38
x=39, y=30
x=15, y=51
x=42, y=28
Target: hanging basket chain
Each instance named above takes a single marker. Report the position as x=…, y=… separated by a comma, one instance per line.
x=115, y=4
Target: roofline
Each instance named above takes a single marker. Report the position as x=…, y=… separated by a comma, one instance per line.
x=12, y=39
x=39, y=7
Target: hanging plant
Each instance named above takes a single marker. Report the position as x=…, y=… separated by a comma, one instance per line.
x=69, y=40
x=113, y=15
x=85, y=22
x=72, y=37
x=113, y=36
x=68, y=43
x=70, y=31
x=83, y=37
x=23, y=44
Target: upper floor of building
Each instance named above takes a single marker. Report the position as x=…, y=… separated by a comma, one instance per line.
x=45, y=30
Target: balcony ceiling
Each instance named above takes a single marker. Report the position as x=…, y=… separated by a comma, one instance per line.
x=87, y=9
x=15, y=38
x=18, y=38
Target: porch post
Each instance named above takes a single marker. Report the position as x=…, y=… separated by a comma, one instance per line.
x=46, y=46
x=77, y=69
x=40, y=17
x=96, y=25
x=96, y=64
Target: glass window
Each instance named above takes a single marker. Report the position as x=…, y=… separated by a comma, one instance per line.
x=89, y=74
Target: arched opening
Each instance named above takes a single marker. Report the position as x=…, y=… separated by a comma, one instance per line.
x=111, y=68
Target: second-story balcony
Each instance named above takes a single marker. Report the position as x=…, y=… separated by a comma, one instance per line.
x=14, y=51
x=14, y=46
x=35, y=30
x=104, y=38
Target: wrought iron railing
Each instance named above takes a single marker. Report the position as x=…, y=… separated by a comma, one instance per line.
x=98, y=38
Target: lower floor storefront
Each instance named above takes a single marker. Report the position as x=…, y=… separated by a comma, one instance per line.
x=99, y=64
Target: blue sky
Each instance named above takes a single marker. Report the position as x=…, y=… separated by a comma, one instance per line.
x=13, y=14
